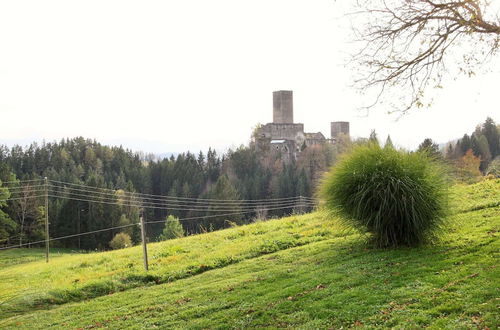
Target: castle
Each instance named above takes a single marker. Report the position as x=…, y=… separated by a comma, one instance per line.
x=288, y=138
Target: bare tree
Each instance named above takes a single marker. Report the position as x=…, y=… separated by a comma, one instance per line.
x=26, y=208
x=406, y=46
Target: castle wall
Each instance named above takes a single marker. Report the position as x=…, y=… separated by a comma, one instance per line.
x=283, y=107
x=286, y=149
x=282, y=131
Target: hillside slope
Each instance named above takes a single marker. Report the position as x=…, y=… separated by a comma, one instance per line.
x=301, y=271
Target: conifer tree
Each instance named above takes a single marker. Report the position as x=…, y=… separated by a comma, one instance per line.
x=484, y=152
x=465, y=143
x=490, y=131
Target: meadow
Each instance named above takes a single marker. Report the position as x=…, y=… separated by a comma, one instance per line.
x=303, y=271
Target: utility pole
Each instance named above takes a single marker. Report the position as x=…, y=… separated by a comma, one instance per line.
x=78, y=226
x=46, y=220
x=144, y=244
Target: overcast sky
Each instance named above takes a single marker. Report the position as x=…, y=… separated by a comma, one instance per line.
x=171, y=76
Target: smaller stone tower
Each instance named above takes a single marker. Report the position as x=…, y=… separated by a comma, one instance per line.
x=283, y=107
x=339, y=127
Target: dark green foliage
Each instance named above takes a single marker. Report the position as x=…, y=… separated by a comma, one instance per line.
x=398, y=197
x=490, y=131
x=7, y=226
x=483, y=152
x=484, y=142
x=223, y=189
x=240, y=174
x=465, y=144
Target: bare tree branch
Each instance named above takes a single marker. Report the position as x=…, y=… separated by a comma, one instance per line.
x=404, y=45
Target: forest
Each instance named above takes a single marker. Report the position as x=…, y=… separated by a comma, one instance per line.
x=91, y=187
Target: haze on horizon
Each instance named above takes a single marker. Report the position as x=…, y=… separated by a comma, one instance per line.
x=188, y=75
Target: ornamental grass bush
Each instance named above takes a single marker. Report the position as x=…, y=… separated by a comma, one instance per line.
x=399, y=197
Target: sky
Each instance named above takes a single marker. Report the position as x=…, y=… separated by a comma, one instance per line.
x=172, y=76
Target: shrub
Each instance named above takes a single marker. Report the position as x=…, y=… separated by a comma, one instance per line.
x=398, y=197
x=467, y=168
x=173, y=228
x=120, y=241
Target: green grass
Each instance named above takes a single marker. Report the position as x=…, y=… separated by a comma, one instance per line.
x=21, y=256
x=85, y=276
x=301, y=272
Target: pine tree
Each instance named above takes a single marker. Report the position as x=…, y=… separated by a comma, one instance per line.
x=223, y=190
x=484, y=152
x=465, y=144
x=490, y=131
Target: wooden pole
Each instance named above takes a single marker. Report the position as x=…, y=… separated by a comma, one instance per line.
x=144, y=244
x=46, y=220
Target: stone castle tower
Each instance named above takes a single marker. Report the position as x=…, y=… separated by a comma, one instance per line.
x=288, y=138
x=339, y=127
x=283, y=107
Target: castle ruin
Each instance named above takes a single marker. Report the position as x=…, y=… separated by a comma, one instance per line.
x=288, y=138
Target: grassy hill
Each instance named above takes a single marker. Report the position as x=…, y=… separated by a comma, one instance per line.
x=301, y=271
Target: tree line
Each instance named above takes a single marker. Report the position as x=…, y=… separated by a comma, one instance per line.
x=190, y=179
x=240, y=174
x=476, y=154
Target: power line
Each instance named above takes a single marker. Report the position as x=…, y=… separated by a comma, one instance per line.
x=173, y=197
x=114, y=197
x=165, y=205
x=106, y=191
x=158, y=206
x=176, y=200
x=176, y=203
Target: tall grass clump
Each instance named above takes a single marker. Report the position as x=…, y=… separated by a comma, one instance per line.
x=399, y=197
